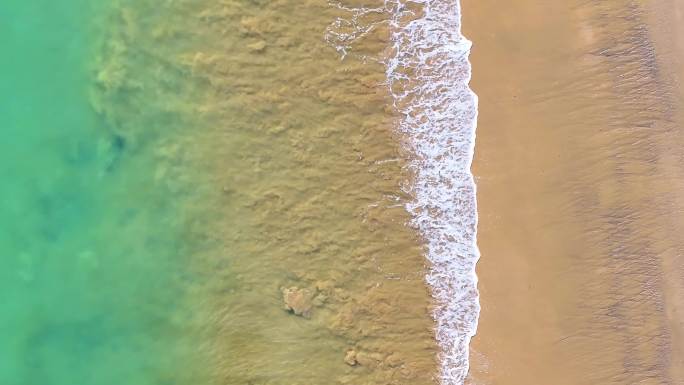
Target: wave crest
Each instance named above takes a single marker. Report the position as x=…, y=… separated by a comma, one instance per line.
x=428, y=75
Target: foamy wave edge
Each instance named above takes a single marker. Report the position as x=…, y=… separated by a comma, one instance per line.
x=428, y=74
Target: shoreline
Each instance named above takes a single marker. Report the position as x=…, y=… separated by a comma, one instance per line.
x=439, y=118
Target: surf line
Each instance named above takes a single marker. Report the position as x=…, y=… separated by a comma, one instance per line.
x=428, y=75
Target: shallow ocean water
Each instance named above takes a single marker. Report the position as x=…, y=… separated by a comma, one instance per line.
x=170, y=169
x=92, y=249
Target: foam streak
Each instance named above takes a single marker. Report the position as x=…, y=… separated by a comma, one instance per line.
x=428, y=75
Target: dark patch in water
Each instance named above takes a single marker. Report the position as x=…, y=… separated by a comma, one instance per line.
x=118, y=143
x=117, y=148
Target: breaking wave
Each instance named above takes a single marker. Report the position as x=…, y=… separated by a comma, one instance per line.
x=428, y=75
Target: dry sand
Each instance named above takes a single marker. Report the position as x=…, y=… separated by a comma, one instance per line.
x=666, y=21
x=579, y=170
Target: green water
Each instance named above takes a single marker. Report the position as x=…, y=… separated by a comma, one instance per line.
x=93, y=259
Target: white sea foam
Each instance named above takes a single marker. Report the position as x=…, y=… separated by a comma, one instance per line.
x=428, y=73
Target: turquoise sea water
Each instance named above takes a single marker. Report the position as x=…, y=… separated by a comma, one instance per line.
x=92, y=256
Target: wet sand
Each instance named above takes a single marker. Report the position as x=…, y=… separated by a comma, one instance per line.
x=579, y=167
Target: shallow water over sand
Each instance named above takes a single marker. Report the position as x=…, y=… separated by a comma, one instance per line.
x=93, y=248
x=310, y=273
x=248, y=221
x=579, y=165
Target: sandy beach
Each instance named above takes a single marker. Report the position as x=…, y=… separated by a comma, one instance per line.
x=666, y=19
x=578, y=167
